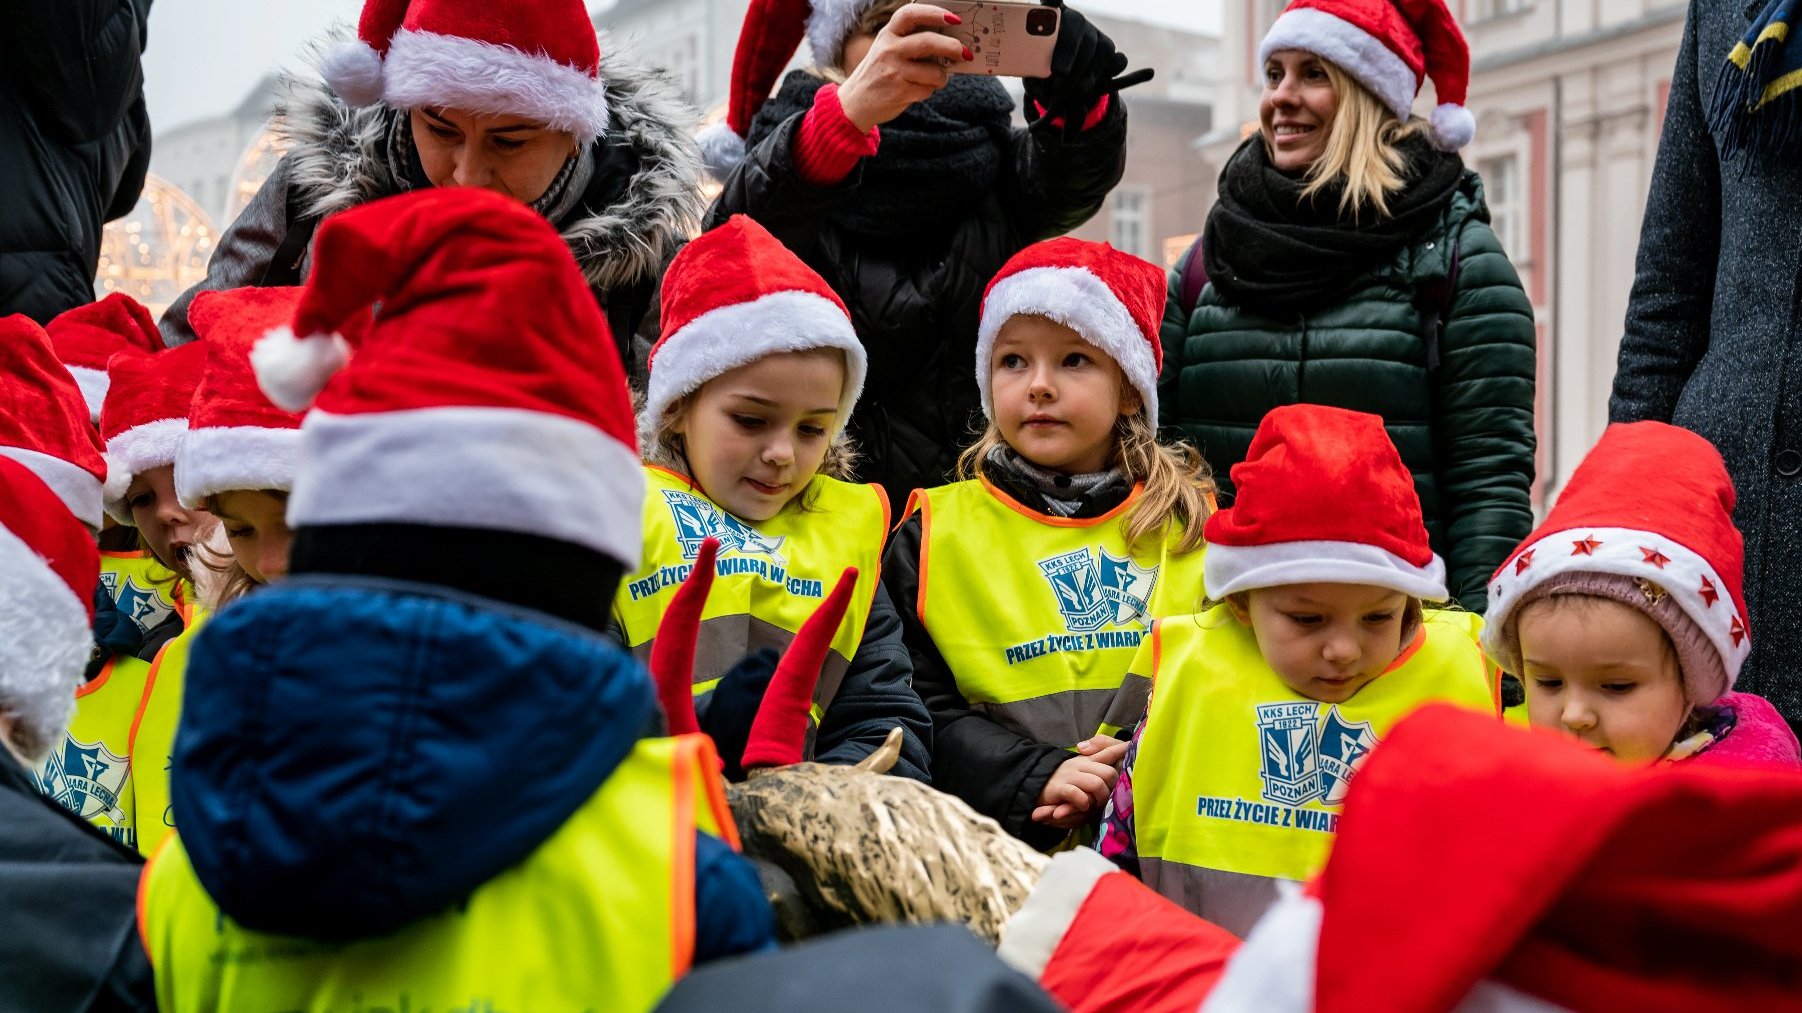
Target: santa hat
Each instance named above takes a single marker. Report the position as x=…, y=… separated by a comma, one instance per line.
x=486, y=393
x=146, y=415
x=1323, y=497
x=46, y=609
x=1388, y=46
x=1652, y=504
x=237, y=438
x=733, y=296
x=534, y=58
x=772, y=32
x=87, y=337
x=1480, y=866
x=44, y=422
x=1114, y=300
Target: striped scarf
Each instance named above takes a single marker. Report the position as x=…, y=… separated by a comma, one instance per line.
x=1757, y=100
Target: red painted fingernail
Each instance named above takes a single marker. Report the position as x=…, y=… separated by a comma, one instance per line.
x=968, y=56
x=952, y=19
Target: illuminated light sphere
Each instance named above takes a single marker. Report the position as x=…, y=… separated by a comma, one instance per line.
x=159, y=250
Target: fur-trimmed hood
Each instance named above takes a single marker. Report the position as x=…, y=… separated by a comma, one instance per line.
x=338, y=159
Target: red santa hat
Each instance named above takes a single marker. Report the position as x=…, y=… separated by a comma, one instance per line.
x=1114, y=300
x=534, y=58
x=146, y=415
x=46, y=609
x=1388, y=46
x=733, y=296
x=1322, y=496
x=237, y=438
x=486, y=392
x=772, y=32
x=87, y=337
x=1652, y=503
x=1483, y=866
x=44, y=422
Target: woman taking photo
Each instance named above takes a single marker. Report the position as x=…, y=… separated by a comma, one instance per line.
x=907, y=186
x=1349, y=262
x=442, y=93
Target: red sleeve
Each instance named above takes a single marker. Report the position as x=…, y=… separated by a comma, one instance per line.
x=1088, y=122
x=828, y=145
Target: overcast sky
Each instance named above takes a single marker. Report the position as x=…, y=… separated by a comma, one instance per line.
x=205, y=55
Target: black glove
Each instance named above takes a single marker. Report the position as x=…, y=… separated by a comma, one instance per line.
x=1084, y=67
x=733, y=704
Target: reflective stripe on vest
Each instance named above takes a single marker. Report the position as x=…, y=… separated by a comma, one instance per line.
x=145, y=591
x=1239, y=780
x=599, y=917
x=152, y=739
x=1042, y=646
x=90, y=772
x=771, y=575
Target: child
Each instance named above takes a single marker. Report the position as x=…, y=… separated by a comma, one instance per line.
x=411, y=774
x=1622, y=613
x=238, y=459
x=143, y=420
x=743, y=427
x=45, y=426
x=1264, y=704
x=1026, y=588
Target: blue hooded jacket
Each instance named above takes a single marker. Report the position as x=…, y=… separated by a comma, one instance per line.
x=358, y=753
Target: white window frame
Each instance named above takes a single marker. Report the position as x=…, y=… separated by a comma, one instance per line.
x=1129, y=229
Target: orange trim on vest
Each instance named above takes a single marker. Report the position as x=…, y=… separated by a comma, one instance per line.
x=156, y=668
x=925, y=506
x=143, y=904
x=716, y=800
x=684, y=768
x=1408, y=652
x=106, y=672
x=125, y=554
x=1062, y=522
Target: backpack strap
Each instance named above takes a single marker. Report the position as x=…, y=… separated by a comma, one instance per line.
x=1195, y=277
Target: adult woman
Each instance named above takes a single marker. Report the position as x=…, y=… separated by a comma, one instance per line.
x=1711, y=336
x=436, y=93
x=907, y=188
x=1351, y=264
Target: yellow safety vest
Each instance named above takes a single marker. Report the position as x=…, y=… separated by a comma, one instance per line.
x=1043, y=646
x=1239, y=780
x=152, y=740
x=146, y=591
x=600, y=917
x=90, y=773
x=770, y=576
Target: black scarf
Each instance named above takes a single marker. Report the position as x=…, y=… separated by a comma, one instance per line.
x=938, y=154
x=1268, y=247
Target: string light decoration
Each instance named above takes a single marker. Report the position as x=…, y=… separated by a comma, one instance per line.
x=159, y=250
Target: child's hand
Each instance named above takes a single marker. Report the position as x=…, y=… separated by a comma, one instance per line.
x=1081, y=784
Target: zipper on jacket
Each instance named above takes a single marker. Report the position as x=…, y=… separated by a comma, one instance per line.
x=1301, y=364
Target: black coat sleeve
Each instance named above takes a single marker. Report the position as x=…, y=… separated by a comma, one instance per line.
x=878, y=695
x=1672, y=301
x=76, y=61
x=1056, y=183
x=768, y=187
x=997, y=772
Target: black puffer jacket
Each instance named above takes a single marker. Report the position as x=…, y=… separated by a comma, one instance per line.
x=915, y=305
x=1464, y=428
x=74, y=144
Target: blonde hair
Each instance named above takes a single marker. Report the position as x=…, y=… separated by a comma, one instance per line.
x=664, y=447
x=1179, y=487
x=1360, y=148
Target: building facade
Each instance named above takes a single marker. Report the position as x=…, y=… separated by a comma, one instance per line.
x=1569, y=98
x=203, y=158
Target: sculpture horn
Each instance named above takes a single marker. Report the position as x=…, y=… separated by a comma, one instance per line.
x=673, y=652
x=779, y=733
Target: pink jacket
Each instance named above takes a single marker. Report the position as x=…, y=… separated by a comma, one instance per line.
x=1759, y=737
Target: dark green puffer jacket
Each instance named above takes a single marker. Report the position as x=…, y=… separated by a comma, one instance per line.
x=1465, y=429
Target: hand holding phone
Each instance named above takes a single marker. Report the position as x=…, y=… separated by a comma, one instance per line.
x=908, y=63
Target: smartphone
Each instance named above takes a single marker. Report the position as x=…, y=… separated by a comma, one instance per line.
x=1008, y=39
